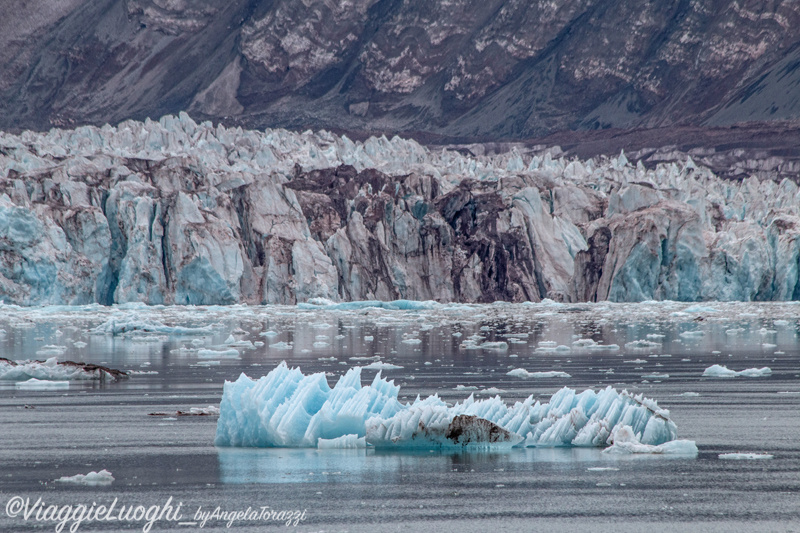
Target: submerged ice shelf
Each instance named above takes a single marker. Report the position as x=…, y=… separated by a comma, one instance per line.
x=286, y=408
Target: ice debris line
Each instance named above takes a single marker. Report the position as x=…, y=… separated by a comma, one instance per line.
x=176, y=212
x=286, y=408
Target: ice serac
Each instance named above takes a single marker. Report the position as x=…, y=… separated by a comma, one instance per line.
x=175, y=212
x=286, y=408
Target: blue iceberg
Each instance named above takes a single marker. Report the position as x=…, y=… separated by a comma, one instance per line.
x=287, y=408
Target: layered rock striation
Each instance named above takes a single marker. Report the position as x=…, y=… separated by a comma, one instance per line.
x=497, y=69
x=175, y=212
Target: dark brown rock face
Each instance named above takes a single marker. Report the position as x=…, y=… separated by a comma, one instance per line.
x=460, y=69
x=399, y=237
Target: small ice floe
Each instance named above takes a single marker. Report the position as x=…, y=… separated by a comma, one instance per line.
x=719, y=371
x=642, y=345
x=54, y=370
x=603, y=347
x=232, y=341
x=690, y=394
x=584, y=343
x=379, y=365
x=345, y=442
x=231, y=353
x=744, y=456
x=493, y=390
x=590, y=344
x=700, y=309
x=465, y=387
x=625, y=441
x=281, y=346
x=602, y=469
x=41, y=384
x=142, y=372
x=79, y=344
x=499, y=346
x=269, y=333
x=102, y=477
x=51, y=349
x=131, y=324
x=211, y=410
x=524, y=374
x=692, y=334
x=655, y=375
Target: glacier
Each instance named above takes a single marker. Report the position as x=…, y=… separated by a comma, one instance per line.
x=287, y=408
x=179, y=212
x=176, y=212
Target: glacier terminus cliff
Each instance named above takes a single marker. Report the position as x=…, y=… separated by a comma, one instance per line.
x=176, y=212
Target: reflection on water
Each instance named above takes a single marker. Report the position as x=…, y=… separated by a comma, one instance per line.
x=308, y=465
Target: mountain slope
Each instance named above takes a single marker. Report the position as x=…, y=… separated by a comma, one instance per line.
x=460, y=69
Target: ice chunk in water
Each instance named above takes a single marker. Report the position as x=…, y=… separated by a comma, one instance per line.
x=744, y=456
x=102, y=477
x=625, y=441
x=287, y=408
x=524, y=374
x=719, y=371
x=53, y=370
x=40, y=384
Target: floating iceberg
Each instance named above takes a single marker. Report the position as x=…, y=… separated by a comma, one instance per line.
x=626, y=442
x=41, y=384
x=524, y=374
x=719, y=371
x=102, y=477
x=131, y=323
x=379, y=365
x=286, y=408
x=53, y=370
x=744, y=456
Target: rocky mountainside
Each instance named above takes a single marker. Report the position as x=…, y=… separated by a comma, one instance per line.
x=179, y=212
x=456, y=70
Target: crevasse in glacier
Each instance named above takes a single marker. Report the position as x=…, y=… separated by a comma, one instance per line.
x=176, y=212
x=286, y=408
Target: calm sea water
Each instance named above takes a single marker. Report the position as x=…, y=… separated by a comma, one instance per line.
x=661, y=351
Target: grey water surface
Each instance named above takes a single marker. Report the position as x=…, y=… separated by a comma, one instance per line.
x=131, y=429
